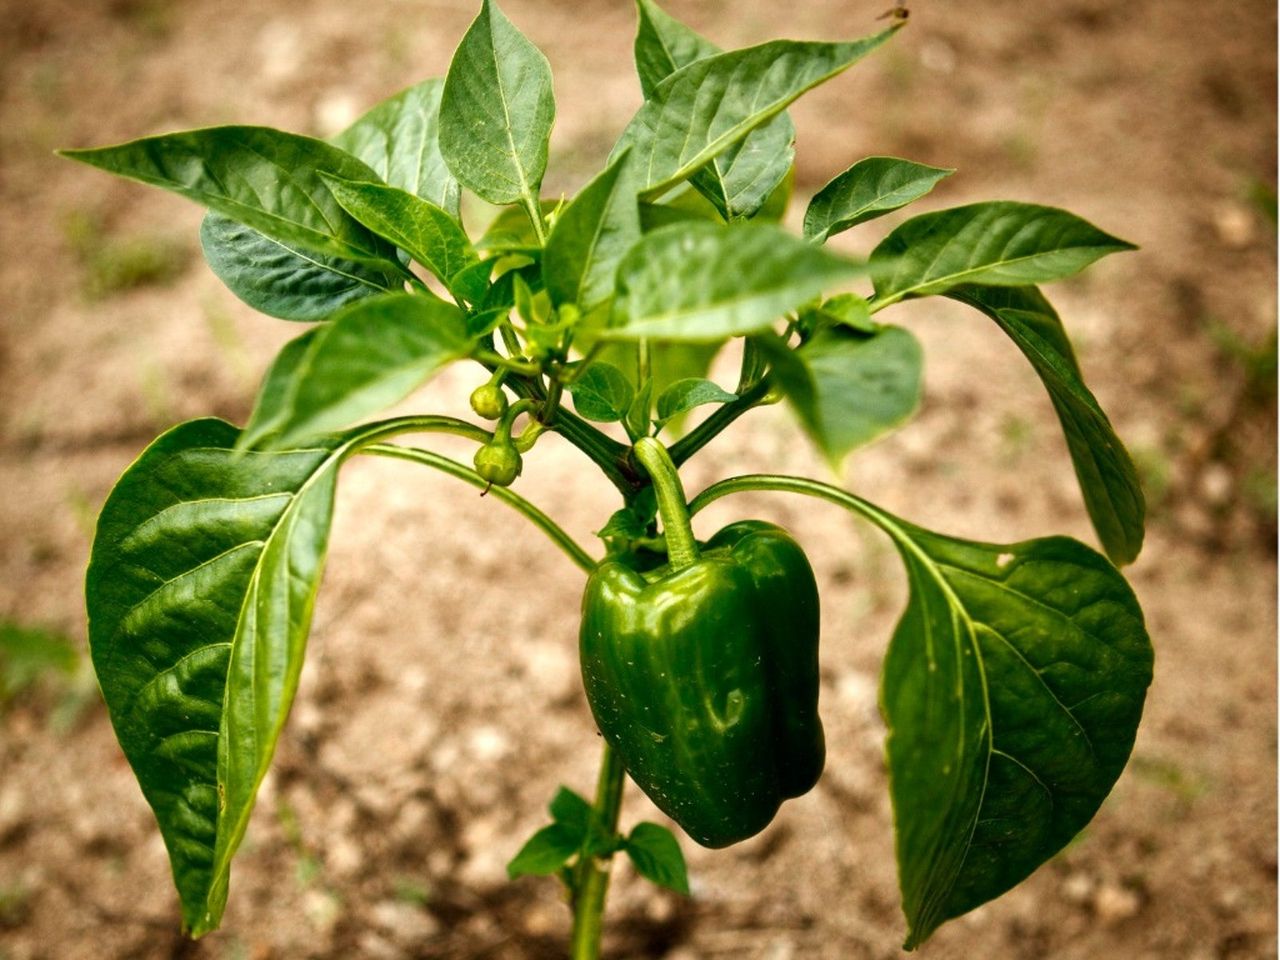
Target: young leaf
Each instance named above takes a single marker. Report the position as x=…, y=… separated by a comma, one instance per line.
x=1001, y=243
x=371, y=355
x=290, y=283
x=589, y=239
x=704, y=108
x=572, y=809
x=511, y=231
x=637, y=421
x=656, y=855
x=546, y=852
x=740, y=180
x=601, y=392
x=418, y=227
x=1012, y=691
x=858, y=387
x=869, y=189
x=684, y=395
x=200, y=588
x=497, y=111
x=1108, y=479
x=844, y=309
x=400, y=140
x=225, y=168
x=697, y=281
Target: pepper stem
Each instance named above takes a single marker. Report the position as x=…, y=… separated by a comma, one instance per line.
x=682, y=548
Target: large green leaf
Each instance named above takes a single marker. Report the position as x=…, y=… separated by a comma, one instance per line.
x=739, y=180
x=589, y=239
x=372, y=354
x=497, y=111
x=400, y=140
x=1012, y=691
x=1001, y=243
x=1108, y=479
x=263, y=178
x=704, y=108
x=853, y=387
x=200, y=589
x=699, y=281
x=290, y=283
x=418, y=227
x=869, y=189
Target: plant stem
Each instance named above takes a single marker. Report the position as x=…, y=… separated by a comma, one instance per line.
x=706, y=431
x=682, y=547
x=539, y=519
x=812, y=488
x=608, y=454
x=592, y=875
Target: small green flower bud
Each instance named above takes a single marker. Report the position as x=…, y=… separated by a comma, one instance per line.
x=489, y=401
x=499, y=463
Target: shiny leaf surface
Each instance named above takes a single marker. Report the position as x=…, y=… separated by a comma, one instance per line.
x=1012, y=691
x=869, y=189
x=998, y=244
x=418, y=227
x=698, y=281
x=266, y=179
x=590, y=238
x=200, y=589
x=740, y=180
x=704, y=108
x=1108, y=479
x=288, y=282
x=371, y=355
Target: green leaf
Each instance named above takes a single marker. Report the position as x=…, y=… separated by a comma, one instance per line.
x=684, y=395
x=601, y=392
x=266, y=179
x=636, y=421
x=497, y=111
x=704, y=108
x=1032, y=304
x=290, y=283
x=869, y=189
x=1108, y=479
x=545, y=852
x=572, y=809
x=275, y=397
x=590, y=238
x=28, y=653
x=399, y=140
x=844, y=309
x=655, y=853
x=371, y=355
x=1001, y=243
x=698, y=281
x=857, y=387
x=1012, y=691
x=200, y=589
x=511, y=231
x=418, y=227
x=740, y=180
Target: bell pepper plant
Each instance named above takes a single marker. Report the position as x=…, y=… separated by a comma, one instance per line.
x=1014, y=682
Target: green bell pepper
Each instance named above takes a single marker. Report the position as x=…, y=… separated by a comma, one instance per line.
x=703, y=674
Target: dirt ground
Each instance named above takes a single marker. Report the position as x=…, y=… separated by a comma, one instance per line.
x=441, y=705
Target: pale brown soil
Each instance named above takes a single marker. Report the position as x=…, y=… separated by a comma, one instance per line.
x=441, y=704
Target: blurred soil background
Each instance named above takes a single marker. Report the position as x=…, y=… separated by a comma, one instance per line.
x=441, y=705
